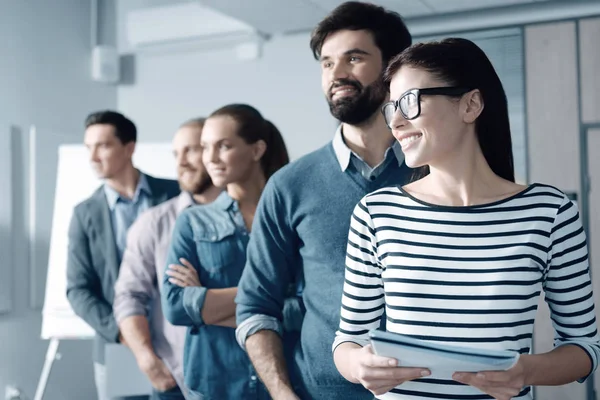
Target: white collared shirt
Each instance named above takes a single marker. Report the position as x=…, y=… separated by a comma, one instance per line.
x=345, y=157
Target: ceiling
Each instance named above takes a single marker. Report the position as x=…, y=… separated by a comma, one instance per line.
x=279, y=17
x=286, y=16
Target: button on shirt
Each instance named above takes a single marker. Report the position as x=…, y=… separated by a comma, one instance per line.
x=124, y=211
x=347, y=157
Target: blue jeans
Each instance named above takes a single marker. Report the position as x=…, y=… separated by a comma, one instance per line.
x=171, y=394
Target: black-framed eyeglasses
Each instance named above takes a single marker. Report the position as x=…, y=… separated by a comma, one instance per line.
x=409, y=103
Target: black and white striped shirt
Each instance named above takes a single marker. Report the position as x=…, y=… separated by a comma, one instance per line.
x=467, y=276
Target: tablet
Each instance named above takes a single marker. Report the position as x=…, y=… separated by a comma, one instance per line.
x=441, y=360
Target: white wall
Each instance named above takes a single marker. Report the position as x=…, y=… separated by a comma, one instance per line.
x=284, y=84
x=44, y=80
x=560, y=116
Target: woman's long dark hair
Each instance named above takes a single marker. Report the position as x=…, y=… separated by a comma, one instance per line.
x=460, y=62
x=252, y=127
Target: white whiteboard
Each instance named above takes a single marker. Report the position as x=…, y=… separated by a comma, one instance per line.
x=76, y=182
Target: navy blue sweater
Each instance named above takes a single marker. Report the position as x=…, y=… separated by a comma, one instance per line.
x=301, y=229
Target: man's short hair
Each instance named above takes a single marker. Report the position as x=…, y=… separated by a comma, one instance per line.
x=389, y=31
x=197, y=122
x=125, y=129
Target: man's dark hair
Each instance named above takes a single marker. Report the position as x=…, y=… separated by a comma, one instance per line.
x=388, y=28
x=125, y=129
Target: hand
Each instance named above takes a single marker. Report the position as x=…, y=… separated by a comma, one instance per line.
x=157, y=372
x=501, y=385
x=381, y=374
x=183, y=275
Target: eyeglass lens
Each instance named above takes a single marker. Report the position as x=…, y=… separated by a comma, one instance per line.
x=409, y=107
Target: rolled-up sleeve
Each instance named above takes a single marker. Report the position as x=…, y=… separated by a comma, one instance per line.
x=182, y=306
x=293, y=315
x=193, y=300
x=135, y=286
x=269, y=270
x=256, y=323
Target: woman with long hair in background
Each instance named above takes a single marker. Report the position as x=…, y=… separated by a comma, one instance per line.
x=241, y=150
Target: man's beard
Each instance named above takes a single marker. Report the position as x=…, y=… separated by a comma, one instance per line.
x=199, y=186
x=354, y=110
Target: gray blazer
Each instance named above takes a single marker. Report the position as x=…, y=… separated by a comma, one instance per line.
x=93, y=265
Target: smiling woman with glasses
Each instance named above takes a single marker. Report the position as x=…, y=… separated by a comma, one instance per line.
x=461, y=256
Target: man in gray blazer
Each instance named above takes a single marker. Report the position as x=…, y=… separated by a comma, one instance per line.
x=98, y=229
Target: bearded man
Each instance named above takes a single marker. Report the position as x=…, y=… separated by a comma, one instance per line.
x=301, y=225
x=156, y=344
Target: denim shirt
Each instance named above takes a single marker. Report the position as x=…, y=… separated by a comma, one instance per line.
x=213, y=238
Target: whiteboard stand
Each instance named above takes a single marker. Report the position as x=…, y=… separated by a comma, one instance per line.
x=51, y=355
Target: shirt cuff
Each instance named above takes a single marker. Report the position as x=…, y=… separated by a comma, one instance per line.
x=343, y=339
x=257, y=322
x=589, y=354
x=193, y=300
x=123, y=308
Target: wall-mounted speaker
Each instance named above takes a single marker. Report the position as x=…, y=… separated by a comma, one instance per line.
x=105, y=64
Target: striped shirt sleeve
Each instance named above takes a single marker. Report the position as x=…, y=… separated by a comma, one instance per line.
x=567, y=285
x=363, y=295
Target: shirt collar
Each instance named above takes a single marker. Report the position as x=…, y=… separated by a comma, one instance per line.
x=112, y=196
x=184, y=200
x=224, y=201
x=343, y=152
